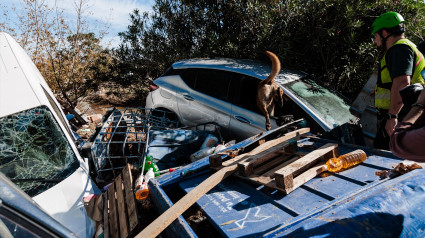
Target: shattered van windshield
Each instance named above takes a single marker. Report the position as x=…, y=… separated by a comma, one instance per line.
x=326, y=104
x=34, y=152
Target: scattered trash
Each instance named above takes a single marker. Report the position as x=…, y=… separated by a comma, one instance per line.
x=209, y=150
x=210, y=141
x=230, y=143
x=94, y=206
x=149, y=163
x=89, y=197
x=202, y=153
x=141, y=186
x=398, y=170
x=99, y=232
x=95, y=118
x=105, y=188
x=219, y=148
x=169, y=170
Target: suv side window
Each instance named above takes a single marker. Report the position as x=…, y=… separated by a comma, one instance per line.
x=214, y=83
x=189, y=77
x=244, y=91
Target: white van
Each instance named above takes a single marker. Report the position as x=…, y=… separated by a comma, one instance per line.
x=37, y=146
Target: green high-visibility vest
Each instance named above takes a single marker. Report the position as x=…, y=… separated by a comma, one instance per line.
x=383, y=88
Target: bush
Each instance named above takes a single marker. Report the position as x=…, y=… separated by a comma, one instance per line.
x=329, y=39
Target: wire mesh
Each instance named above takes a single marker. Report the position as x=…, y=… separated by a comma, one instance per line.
x=123, y=138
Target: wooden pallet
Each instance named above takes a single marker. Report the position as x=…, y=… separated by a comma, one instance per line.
x=278, y=165
x=120, y=216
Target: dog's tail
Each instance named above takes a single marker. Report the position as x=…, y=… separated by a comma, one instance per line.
x=275, y=67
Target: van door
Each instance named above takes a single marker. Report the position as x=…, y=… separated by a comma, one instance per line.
x=205, y=97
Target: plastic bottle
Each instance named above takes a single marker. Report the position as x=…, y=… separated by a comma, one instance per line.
x=210, y=141
x=346, y=161
x=201, y=153
x=141, y=188
x=219, y=148
x=149, y=163
x=149, y=175
x=142, y=192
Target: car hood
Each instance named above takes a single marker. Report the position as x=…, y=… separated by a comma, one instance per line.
x=64, y=202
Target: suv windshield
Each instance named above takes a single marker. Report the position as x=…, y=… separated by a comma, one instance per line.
x=326, y=104
x=34, y=152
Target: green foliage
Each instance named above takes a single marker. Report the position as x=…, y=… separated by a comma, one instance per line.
x=69, y=57
x=329, y=39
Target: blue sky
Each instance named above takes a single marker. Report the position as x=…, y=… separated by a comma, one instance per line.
x=99, y=13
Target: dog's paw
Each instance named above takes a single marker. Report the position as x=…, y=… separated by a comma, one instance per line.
x=268, y=127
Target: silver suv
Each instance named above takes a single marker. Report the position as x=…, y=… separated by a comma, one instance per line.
x=223, y=91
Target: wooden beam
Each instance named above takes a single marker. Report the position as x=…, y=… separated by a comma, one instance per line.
x=246, y=167
x=105, y=215
x=122, y=218
x=113, y=216
x=166, y=218
x=129, y=198
x=281, y=140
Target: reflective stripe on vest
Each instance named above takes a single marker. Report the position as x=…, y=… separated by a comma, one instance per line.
x=382, y=92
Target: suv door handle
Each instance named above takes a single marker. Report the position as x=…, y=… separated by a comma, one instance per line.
x=242, y=119
x=189, y=98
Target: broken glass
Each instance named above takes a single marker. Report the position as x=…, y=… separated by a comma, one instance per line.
x=34, y=152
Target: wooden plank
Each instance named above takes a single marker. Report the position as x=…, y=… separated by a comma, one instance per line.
x=113, y=218
x=306, y=176
x=246, y=167
x=165, y=219
x=129, y=198
x=298, y=181
x=271, y=164
x=105, y=215
x=290, y=135
x=266, y=181
x=285, y=176
x=272, y=171
x=283, y=139
x=122, y=216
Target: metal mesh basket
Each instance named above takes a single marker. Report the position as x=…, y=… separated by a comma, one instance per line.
x=123, y=138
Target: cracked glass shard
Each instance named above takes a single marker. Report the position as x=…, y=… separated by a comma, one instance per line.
x=34, y=152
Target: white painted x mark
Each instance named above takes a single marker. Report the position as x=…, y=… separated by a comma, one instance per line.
x=251, y=216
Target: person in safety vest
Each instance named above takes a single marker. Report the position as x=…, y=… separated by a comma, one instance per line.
x=401, y=65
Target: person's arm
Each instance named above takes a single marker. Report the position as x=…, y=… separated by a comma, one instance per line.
x=416, y=115
x=408, y=139
x=396, y=103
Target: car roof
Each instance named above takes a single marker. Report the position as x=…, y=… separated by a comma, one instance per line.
x=254, y=68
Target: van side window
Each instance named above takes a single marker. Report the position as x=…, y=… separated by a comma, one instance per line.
x=58, y=112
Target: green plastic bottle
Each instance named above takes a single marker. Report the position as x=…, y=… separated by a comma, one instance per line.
x=149, y=163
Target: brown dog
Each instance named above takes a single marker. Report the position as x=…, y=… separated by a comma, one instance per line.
x=269, y=93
